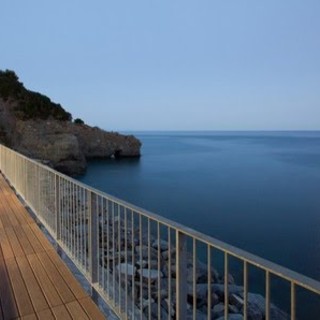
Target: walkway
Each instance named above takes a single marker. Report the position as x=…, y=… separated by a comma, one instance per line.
x=34, y=282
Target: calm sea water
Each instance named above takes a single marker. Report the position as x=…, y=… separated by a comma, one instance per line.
x=259, y=191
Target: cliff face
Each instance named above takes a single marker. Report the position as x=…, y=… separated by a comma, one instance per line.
x=63, y=144
x=68, y=146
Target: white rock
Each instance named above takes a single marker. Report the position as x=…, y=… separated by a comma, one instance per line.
x=152, y=274
x=126, y=268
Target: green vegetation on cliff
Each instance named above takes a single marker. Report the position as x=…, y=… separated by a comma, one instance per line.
x=78, y=121
x=29, y=104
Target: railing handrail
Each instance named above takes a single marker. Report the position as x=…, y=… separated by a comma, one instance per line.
x=270, y=267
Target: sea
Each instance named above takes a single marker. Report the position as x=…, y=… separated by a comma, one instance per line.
x=259, y=191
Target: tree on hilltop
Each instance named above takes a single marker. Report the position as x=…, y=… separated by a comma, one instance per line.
x=29, y=104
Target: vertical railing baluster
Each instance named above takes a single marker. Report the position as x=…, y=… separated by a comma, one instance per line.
x=101, y=255
x=169, y=274
x=133, y=263
x=119, y=254
x=209, y=281
x=149, y=269
x=73, y=216
x=108, y=245
x=87, y=227
x=25, y=179
x=141, y=265
x=194, y=277
x=39, y=191
x=99, y=237
x=226, y=282
x=15, y=171
x=93, y=237
x=267, y=295
x=68, y=201
x=126, y=258
x=113, y=255
x=77, y=226
x=58, y=213
x=181, y=267
x=293, y=301
x=159, y=270
x=245, y=290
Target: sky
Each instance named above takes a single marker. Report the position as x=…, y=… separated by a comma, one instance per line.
x=170, y=64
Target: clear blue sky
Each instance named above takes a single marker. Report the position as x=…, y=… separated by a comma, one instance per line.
x=170, y=64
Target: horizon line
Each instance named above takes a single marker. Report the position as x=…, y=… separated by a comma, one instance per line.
x=218, y=130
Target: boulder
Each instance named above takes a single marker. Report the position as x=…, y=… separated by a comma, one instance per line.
x=218, y=310
x=232, y=289
x=145, y=252
x=278, y=314
x=163, y=315
x=163, y=245
x=151, y=274
x=126, y=268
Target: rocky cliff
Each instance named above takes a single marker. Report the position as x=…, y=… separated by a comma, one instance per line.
x=33, y=125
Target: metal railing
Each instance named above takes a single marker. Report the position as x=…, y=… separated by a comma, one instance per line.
x=148, y=267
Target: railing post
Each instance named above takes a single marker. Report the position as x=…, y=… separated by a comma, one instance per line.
x=58, y=213
x=181, y=284
x=93, y=237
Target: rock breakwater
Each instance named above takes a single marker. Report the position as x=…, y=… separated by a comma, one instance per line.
x=138, y=270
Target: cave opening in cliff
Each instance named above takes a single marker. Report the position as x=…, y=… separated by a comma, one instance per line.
x=117, y=154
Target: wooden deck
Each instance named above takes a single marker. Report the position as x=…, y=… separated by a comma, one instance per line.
x=34, y=281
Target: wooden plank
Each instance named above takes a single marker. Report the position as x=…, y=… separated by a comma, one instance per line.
x=55, y=277
x=5, y=188
x=19, y=209
x=91, y=309
x=5, y=245
x=13, y=219
x=61, y=312
x=36, y=245
x=76, y=311
x=20, y=291
x=5, y=219
x=8, y=303
x=42, y=238
x=1, y=225
x=45, y=315
x=48, y=288
x=74, y=285
x=37, y=297
x=6, y=210
x=3, y=185
x=20, y=214
x=24, y=241
x=1, y=213
x=29, y=317
x=3, y=181
x=13, y=207
x=13, y=240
